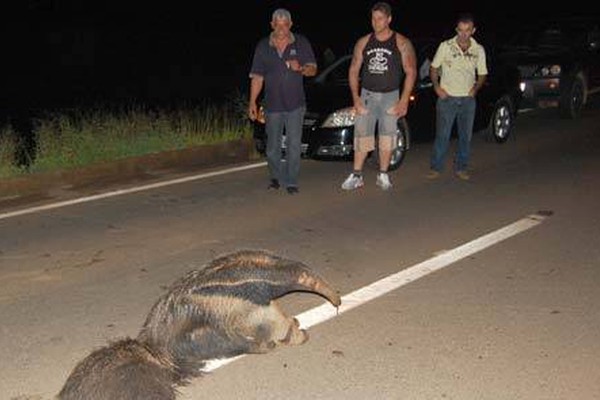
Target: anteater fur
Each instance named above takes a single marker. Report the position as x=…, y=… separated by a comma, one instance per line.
x=225, y=309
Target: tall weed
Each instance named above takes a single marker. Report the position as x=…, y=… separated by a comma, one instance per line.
x=75, y=138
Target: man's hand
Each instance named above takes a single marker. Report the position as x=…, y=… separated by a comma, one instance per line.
x=306, y=70
x=400, y=109
x=360, y=109
x=256, y=84
x=435, y=80
x=478, y=85
x=252, y=111
x=441, y=93
x=294, y=65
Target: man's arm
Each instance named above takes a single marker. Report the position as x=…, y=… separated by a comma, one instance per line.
x=256, y=84
x=478, y=85
x=309, y=70
x=409, y=64
x=481, y=73
x=434, y=73
x=354, y=72
x=308, y=66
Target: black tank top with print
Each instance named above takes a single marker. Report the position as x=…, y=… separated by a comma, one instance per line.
x=382, y=65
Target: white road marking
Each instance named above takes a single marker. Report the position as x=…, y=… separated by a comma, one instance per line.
x=120, y=192
x=383, y=286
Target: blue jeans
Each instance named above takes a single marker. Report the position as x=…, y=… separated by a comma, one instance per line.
x=275, y=124
x=461, y=109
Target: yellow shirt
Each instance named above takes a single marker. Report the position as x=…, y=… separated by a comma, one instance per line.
x=458, y=70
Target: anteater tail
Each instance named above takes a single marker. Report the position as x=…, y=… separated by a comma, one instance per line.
x=123, y=370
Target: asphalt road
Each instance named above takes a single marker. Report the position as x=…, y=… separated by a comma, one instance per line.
x=515, y=318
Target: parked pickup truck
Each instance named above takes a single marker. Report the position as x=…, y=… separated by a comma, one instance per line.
x=559, y=62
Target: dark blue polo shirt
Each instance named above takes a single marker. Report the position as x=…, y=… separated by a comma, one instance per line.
x=284, y=88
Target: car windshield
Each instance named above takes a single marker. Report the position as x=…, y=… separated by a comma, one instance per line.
x=549, y=37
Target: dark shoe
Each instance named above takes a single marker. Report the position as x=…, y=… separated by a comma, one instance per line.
x=292, y=190
x=274, y=184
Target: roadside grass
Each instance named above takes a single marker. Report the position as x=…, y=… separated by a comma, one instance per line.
x=8, y=149
x=75, y=138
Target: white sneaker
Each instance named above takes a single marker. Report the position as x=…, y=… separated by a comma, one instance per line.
x=383, y=181
x=353, y=182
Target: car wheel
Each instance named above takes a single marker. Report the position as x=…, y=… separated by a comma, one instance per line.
x=573, y=98
x=399, y=152
x=501, y=122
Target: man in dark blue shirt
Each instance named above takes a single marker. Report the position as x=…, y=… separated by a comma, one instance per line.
x=280, y=63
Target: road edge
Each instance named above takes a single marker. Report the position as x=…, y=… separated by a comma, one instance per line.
x=193, y=159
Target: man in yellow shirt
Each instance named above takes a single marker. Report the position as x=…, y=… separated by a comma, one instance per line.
x=458, y=71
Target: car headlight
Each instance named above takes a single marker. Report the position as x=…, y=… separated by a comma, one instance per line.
x=340, y=118
x=550, y=70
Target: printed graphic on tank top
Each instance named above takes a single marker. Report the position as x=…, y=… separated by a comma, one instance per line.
x=382, y=65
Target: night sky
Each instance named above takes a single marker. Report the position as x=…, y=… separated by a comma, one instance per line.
x=66, y=53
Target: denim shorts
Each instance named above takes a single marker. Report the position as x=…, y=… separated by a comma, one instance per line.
x=377, y=105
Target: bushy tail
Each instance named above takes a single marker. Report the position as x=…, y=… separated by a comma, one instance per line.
x=124, y=370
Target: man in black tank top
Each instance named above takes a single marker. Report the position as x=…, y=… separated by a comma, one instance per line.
x=385, y=62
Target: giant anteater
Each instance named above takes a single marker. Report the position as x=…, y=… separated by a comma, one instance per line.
x=225, y=309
